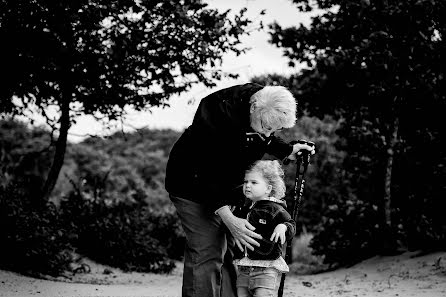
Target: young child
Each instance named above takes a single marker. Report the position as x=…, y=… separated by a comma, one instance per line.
x=259, y=270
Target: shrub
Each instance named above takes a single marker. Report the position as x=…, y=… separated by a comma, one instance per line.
x=129, y=236
x=166, y=228
x=33, y=239
x=348, y=233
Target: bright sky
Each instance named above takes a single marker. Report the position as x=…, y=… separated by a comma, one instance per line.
x=263, y=58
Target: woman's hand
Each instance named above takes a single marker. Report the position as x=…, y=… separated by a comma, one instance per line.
x=241, y=229
x=297, y=149
x=279, y=233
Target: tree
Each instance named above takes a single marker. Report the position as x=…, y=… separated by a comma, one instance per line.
x=379, y=66
x=97, y=57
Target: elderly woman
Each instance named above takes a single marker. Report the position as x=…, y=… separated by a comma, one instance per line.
x=231, y=129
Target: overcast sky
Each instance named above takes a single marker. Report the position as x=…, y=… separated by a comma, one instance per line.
x=263, y=58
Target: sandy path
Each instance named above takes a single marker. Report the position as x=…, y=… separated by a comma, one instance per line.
x=380, y=276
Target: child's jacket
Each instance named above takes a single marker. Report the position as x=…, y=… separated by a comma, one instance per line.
x=265, y=215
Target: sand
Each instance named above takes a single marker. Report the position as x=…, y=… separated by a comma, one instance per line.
x=402, y=275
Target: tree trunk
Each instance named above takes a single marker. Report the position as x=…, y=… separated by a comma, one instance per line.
x=61, y=145
x=389, y=244
x=388, y=177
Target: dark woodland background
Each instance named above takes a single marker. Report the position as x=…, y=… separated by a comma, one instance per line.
x=372, y=98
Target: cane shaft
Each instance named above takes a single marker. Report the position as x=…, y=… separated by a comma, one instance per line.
x=299, y=185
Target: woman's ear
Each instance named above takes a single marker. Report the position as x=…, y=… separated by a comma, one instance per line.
x=253, y=107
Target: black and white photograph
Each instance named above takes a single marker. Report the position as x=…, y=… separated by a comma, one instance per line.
x=222, y=148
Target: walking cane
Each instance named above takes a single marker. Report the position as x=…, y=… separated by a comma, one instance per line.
x=302, y=162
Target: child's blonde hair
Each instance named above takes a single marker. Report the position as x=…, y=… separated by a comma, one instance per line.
x=273, y=173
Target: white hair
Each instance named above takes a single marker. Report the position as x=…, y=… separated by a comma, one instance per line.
x=275, y=106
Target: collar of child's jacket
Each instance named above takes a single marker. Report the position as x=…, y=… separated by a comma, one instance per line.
x=279, y=201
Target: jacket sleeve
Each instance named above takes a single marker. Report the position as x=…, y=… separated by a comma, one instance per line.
x=283, y=217
x=279, y=148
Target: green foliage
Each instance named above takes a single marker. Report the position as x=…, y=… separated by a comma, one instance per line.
x=33, y=238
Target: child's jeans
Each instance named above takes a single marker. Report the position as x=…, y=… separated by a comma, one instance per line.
x=258, y=281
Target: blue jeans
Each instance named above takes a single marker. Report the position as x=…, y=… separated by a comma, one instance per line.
x=208, y=268
x=258, y=281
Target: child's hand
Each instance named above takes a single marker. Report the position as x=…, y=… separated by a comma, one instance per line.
x=279, y=232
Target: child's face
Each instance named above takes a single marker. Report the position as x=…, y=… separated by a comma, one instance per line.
x=255, y=186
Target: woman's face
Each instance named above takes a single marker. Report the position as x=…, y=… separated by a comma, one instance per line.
x=259, y=125
x=255, y=187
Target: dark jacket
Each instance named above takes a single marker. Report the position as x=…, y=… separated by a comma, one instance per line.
x=265, y=216
x=208, y=162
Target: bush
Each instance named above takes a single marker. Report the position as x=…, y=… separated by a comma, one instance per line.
x=348, y=233
x=167, y=229
x=129, y=236
x=33, y=239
